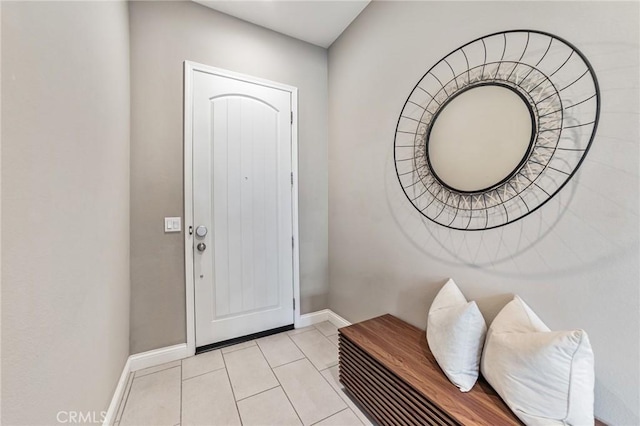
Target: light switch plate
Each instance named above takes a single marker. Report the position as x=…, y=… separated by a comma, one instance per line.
x=172, y=224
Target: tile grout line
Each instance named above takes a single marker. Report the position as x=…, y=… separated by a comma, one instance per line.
x=278, y=380
x=320, y=372
x=131, y=387
x=124, y=407
x=336, y=391
x=300, y=349
x=226, y=370
x=325, y=335
x=326, y=368
x=154, y=372
x=259, y=393
x=328, y=335
x=340, y=394
x=181, y=385
x=122, y=399
x=311, y=328
x=237, y=349
x=286, y=363
x=305, y=355
x=321, y=420
x=201, y=374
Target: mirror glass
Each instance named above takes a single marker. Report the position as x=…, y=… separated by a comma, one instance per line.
x=480, y=137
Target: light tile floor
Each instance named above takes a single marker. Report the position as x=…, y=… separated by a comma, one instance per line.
x=289, y=378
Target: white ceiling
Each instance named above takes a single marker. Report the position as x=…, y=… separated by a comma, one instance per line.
x=319, y=22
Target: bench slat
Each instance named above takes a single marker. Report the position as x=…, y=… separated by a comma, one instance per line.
x=420, y=411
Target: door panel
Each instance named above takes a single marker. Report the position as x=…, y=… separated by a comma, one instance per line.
x=242, y=194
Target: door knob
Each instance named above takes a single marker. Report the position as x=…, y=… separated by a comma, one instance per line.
x=201, y=246
x=201, y=231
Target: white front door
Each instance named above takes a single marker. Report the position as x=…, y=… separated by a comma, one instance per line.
x=242, y=196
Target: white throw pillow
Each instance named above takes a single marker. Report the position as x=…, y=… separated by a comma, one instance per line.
x=455, y=332
x=545, y=377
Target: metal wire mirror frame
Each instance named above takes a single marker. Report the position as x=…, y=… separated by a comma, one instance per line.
x=560, y=88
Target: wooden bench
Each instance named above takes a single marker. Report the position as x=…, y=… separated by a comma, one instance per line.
x=386, y=365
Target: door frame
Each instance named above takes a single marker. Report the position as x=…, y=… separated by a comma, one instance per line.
x=189, y=68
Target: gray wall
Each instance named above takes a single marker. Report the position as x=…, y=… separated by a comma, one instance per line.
x=163, y=35
x=575, y=261
x=65, y=207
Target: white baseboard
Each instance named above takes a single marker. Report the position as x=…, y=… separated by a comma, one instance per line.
x=337, y=320
x=313, y=318
x=321, y=316
x=176, y=352
x=118, y=394
x=138, y=362
x=158, y=356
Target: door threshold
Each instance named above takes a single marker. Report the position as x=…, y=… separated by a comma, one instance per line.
x=242, y=339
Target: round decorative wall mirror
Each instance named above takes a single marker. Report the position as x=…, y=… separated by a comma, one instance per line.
x=480, y=137
x=496, y=128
